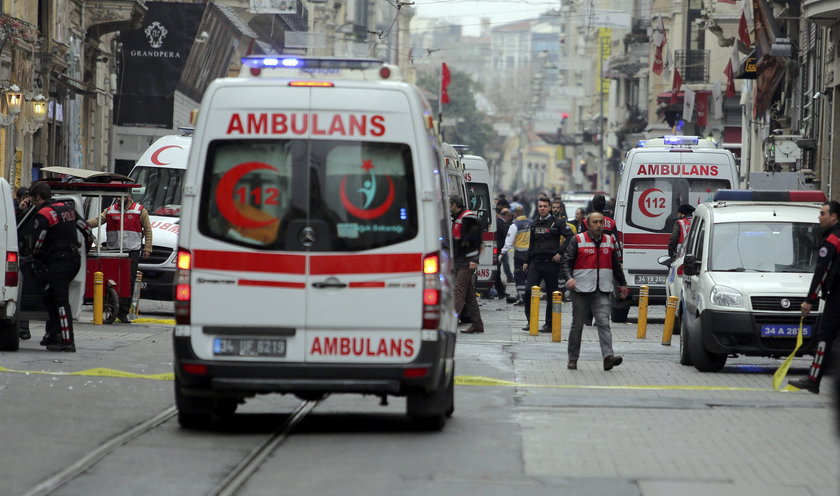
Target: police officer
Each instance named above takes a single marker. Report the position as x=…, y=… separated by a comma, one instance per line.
x=518, y=238
x=137, y=233
x=685, y=214
x=466, y=245
x=544, y=253
x=826, y=285
x=591, y=264
x=56, y=251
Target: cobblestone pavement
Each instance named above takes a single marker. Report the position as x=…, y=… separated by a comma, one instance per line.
x=667, y=427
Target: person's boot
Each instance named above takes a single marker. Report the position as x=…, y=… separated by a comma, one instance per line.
x=62, y=346
x=612, y=361
x=812, y=381
x=24, y=334
x=49, y=339
x=807, y=384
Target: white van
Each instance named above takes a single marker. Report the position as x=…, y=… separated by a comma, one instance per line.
x=9, y=290
x=655, y=180
x=160, y=172
x=315, y=247
x=748, y=263
x=478, y=199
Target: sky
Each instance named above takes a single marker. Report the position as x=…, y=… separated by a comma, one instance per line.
x=469, y=12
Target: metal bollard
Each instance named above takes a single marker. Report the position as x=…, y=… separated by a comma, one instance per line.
x=641, y=326
x=98, y=296
x=556, y=317
x=534, y=323
x=134, y=308
x=670, y=316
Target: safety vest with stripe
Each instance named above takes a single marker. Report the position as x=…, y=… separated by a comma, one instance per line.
x=685, y=225
x=522, y=240
x=593, y=266
x=132, y=228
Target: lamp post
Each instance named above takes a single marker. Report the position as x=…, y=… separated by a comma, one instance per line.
x=14, y=98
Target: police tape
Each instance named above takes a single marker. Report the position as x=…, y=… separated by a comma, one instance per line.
x=153, y=321
x=782, y=371
x=96, y=372
x=475, y=380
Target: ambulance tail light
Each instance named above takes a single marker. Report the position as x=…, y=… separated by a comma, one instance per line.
x=183, y=289
x=12, y=269
x=431, y=291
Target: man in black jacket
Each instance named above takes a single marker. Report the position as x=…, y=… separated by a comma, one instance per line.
x=543, y=260
x=466, y=246
x=826, y=285
x=502, y=227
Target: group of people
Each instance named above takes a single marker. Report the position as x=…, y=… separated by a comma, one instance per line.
x=49, y=237
x=548, y=250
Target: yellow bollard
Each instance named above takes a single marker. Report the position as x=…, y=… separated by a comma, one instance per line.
x=556, y=317
x=534, y=323
x=670, y=315
x=98, y=295
x=641, y=326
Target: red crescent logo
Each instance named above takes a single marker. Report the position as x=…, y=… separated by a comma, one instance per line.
x=156, y=160
x=367, y=214
x=642, y=199
x=224, y=195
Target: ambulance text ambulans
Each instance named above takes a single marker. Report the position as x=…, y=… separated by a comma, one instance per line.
x=314, y=253
x=160, y=172
x=655, y=180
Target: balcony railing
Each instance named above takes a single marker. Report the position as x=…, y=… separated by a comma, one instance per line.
x=693, y=65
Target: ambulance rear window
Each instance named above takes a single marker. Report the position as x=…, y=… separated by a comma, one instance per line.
x=478, y=200
x=653, y=203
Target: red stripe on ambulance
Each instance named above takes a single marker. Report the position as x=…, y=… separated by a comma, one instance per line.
x=654, y=240
x=249, y=262
x=362, y=347
x=272, y=284
x=383, y=263
x=302, y=123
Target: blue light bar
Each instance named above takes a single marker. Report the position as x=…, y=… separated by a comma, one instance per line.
x=291, y=62
x=770, y=196
x=270, y=61
x=641, y=144
x=681, y=140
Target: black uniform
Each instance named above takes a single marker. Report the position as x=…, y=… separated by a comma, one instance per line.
x=826, y=285
x=545, y=243
x=502, y=228
x=56, y=252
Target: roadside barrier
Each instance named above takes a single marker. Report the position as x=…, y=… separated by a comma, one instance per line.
x=556, y=317
x=534, y=323
x=641, y=326
x=98, y=295
x=670, y=317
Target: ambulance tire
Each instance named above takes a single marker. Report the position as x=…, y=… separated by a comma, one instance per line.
x=110, y=306
x=703, y=360
x=685, y=357
x=9, y=335
x=194, y=413
x=450, y=394
x=428, y=411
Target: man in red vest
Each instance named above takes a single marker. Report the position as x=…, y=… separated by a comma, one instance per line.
x=136, y=236
x=684, y=213
x=590, y=266
x=466, y=246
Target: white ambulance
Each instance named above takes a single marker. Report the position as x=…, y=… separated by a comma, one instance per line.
x=314, y=254
x=9, y=290
x=479, y=200
x=160, y=172
x=655, y=180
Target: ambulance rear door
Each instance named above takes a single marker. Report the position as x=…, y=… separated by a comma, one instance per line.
x=363, y=229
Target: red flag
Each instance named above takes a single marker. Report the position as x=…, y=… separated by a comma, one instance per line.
x=743, y=30
x=678, y=81
x=445, y=79
x=730, y=81
x=701, y=108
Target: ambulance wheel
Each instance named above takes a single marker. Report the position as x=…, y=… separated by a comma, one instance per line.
x=427, y=411
x=685, y=357
x=9, y=335
x=450, y=394
x=702, y=359
x=193, y=412
x=110, y=306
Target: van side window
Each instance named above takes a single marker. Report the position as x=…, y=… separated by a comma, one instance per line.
x=701, y=235
x=692, y=236
x=653, y=202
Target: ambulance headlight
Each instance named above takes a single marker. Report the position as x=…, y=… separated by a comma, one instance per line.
x=724, y=296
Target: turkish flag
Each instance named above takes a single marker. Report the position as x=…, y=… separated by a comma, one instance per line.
x=730, y=81
x=701, y=108
x=744, y=31
x=678, y=81
x=445, y=79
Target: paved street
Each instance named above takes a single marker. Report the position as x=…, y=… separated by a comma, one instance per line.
x=523, y=423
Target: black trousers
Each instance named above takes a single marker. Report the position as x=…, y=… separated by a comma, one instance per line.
x=62, y=267
x=825, y=336
x=498, y=284
x=125, y=303
x=545, y=272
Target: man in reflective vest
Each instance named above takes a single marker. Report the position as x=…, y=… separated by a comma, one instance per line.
x=680, y=232
x=136, y=236
x=518, y=238
x=466, y=246
x=591, y=265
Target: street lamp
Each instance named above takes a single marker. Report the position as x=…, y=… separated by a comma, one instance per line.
x=13, y=99
x=39, y=108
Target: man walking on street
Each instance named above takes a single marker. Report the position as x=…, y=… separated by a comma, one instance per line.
x=518, y=239
x=826, y=285
x=136, y=234
x=502, y=226
x=57, y=255
x=543, y=260
x=591, y=265
x=466, y=246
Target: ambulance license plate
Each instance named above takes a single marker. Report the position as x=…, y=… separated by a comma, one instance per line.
x=783, y=330
x=267, y=347
x=650, y=278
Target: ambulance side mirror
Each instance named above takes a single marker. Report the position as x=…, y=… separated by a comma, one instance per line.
x=664, y=260
x=691, y=266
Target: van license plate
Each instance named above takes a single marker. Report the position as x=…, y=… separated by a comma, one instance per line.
x=783, y=331
x=650, y=278
x=249, y=347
